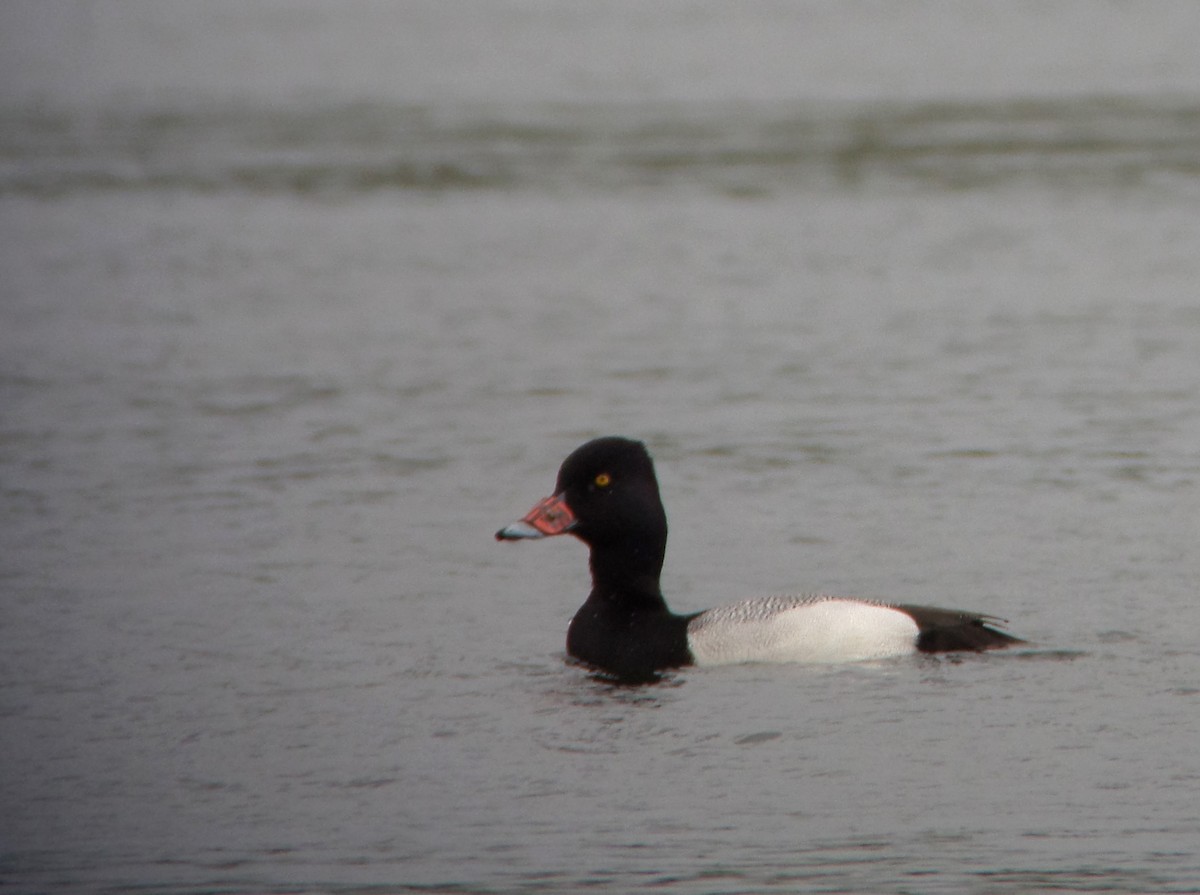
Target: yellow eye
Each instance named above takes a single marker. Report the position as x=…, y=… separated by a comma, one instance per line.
x=603, y=480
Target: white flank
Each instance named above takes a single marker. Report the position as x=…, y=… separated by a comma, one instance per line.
x=800, y=629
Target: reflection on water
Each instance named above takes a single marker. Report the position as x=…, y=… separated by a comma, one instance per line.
x=742, y=149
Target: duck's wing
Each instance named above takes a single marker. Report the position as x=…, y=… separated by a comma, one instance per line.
x=950, y=630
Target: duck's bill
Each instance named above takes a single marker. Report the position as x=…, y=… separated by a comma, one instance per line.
x=550, y=517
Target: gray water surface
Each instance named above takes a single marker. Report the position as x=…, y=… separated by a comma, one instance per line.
x=292, y=321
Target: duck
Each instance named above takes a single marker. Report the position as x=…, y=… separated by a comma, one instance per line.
x=607, y=496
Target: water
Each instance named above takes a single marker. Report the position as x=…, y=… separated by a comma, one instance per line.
x=299, y=306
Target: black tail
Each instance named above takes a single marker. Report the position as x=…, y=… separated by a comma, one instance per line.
x=948, y=630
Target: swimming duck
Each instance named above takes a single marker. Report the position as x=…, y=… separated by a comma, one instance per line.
x=607, y=496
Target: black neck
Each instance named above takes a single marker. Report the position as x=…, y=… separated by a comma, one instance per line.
x=627, y=574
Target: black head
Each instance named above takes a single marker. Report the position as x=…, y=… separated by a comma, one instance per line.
x=610, y=487
x=607, y=496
